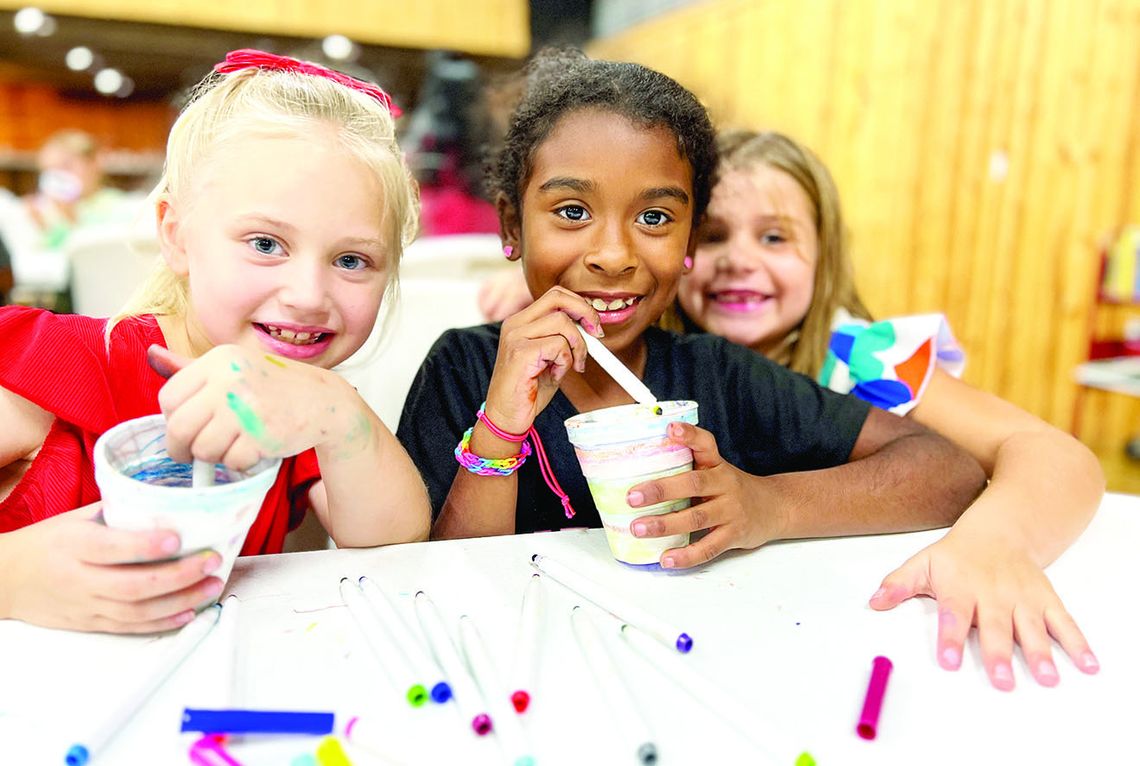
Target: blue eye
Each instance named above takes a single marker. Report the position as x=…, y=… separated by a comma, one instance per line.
x=654, y=218
x=773, y=238
x=351, y=262
x=573, y=213
x=264, y=245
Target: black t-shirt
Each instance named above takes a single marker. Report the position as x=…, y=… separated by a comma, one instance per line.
x=766, y=419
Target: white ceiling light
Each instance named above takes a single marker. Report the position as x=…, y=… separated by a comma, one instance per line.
x=28, y=21
x=127, y=88
x=79, y=59
x=338, y=47
x=108, y=81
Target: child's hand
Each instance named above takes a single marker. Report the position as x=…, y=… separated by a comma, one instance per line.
x=503, y=295
x=995, y=585
x=236, y=406
x=69, y=572
x=537, y=347
x=741, y=510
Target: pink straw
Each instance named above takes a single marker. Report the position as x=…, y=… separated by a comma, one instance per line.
x=873, y=703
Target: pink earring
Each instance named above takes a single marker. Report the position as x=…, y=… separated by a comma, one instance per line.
x=688, y=262
x=507, y=250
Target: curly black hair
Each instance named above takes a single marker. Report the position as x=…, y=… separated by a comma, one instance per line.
x=563, y=80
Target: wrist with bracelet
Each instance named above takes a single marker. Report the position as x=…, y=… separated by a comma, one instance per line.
x=481, y=466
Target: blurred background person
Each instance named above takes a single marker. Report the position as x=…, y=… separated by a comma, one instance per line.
x=71, y=194
x=445, y=140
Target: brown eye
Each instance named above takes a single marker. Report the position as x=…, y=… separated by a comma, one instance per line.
x=573, y=213
x=653, y=218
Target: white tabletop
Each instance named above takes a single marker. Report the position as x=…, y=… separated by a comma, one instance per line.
x=784, y=629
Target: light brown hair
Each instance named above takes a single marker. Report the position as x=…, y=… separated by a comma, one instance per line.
x=805, y=347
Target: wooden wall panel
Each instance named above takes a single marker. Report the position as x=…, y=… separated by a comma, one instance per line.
x=30, y=112
x=492, y=27
x=982, y=148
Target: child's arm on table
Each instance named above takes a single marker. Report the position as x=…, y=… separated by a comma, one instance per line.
x=537, y=347
x=900, y=477
x=234, y=406
x=1045, y=487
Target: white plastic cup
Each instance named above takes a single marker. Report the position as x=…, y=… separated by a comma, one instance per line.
x=619, y=447
x=142, y=488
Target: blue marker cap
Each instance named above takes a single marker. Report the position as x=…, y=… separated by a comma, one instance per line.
x=441, y=692
x=684, y=643
x=77, y=756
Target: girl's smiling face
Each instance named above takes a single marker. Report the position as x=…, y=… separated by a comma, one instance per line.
x=282, y=244
x=607, y=213
x=754, y=271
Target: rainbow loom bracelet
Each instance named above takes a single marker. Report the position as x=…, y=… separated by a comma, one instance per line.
x=482, y=466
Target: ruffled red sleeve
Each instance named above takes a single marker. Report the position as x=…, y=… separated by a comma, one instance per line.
x=62, y=363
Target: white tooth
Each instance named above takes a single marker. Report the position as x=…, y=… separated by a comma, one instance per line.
x=616, y=304
x=599, y=304
x=302, y=336
x=629, y=301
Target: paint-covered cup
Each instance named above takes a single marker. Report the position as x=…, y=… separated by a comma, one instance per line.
x=142, y=488
x=619, y=447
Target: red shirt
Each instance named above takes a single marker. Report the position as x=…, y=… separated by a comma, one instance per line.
x=61, y=363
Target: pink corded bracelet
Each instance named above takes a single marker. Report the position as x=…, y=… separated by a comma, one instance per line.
x=481, y=466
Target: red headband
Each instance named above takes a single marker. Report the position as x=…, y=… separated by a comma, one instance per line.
x=249, y=57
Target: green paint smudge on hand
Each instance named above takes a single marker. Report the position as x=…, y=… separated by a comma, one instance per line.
x=250, y=422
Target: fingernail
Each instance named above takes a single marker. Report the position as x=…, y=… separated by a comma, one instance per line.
x=210, y=562
x=1003, y=676
x=1089, y=662
x=169, y=544
x=599, y=331
x=214, y=589
x=639, y=530
x=879, y=594
x=634, y=498
x=1047, y=673
x=183, y=618
x=668, y=562
x=951, y=658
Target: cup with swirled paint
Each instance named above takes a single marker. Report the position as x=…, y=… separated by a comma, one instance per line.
x=143, y=488
x=619, y=447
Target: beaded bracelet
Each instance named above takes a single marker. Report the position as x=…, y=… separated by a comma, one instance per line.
x=482, y=466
